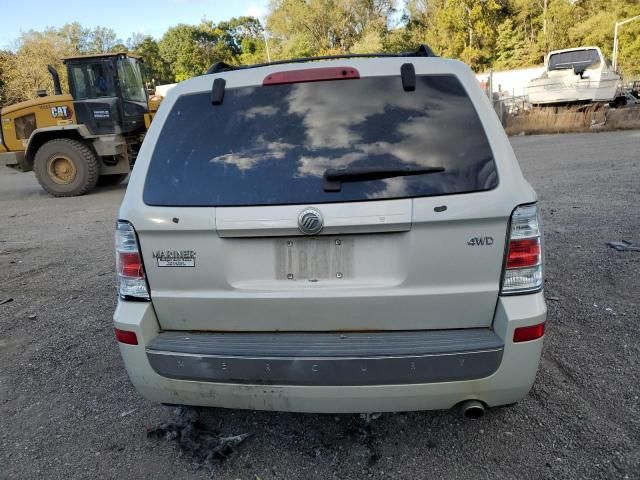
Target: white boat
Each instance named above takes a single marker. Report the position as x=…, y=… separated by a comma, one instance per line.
x=575, y=75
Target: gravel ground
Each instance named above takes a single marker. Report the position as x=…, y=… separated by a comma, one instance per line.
x=67, y=409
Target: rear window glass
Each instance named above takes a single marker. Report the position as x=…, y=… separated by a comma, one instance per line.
x=271, y=145
x=576, y=58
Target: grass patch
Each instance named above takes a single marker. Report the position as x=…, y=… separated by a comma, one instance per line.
x=573, y=119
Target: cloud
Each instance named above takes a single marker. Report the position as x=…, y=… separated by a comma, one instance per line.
x=393, y=187
x=265, y=111
x=316, y=127
x=316, y=166
x=143, y=29
x=247, y=158
x=257, y=11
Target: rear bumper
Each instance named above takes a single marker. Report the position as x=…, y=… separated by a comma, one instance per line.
x=427, y=370
x=327, y=359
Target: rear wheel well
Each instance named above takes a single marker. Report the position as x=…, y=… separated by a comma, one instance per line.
x=41, y=138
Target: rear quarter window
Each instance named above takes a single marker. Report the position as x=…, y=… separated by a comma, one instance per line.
x=270, y=145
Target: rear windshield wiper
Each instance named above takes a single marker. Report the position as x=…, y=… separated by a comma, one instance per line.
x=335, y=177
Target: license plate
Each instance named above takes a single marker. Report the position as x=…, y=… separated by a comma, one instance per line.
x=314, y=258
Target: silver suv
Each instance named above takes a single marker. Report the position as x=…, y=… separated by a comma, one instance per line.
x=349, y=234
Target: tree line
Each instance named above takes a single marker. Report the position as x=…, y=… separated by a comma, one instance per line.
x=498, y=34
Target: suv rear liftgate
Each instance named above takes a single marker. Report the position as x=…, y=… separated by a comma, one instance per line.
x=392, y=252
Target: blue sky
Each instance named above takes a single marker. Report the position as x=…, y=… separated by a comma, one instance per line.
x=151, y=17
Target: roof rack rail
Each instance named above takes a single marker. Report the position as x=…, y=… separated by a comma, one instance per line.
x=422, y=51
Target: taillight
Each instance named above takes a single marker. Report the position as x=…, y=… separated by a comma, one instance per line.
x=523, y=269
x=131, y=280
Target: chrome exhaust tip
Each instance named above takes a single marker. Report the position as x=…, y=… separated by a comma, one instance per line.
x=472, y=409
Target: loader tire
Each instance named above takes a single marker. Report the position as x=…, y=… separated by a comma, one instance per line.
x=109, y=180
x=66, y=167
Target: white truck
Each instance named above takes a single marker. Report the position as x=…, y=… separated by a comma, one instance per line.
x=575, y=75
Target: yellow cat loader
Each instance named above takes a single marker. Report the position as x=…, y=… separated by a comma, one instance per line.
x=88, y=137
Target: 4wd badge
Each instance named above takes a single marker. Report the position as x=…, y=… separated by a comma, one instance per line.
x=480, y=241
x=62, y=111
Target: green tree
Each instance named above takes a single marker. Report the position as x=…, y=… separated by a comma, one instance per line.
x=5, y=59
x=77, y=37
x=247, y=37
x=560, y=18
x=413, y=29
x=317, y=27
x=190, y=50
x=119, y=47
x=102, y=40
x=595, y=25
x=466, y=29
x=155, y=69
x=517, y=42
x=510, y=45
x=26, y=72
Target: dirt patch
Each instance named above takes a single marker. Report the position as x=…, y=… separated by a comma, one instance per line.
x=205, y=446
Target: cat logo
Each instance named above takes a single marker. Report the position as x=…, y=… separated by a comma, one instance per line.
x=62, y=112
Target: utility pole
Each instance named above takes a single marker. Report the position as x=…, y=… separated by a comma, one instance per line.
x=469, y=24
x=615, y=40
x=544, y=26
x=266, y=44
x=263, y=24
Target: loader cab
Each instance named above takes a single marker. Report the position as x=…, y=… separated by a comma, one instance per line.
x=108, y=92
